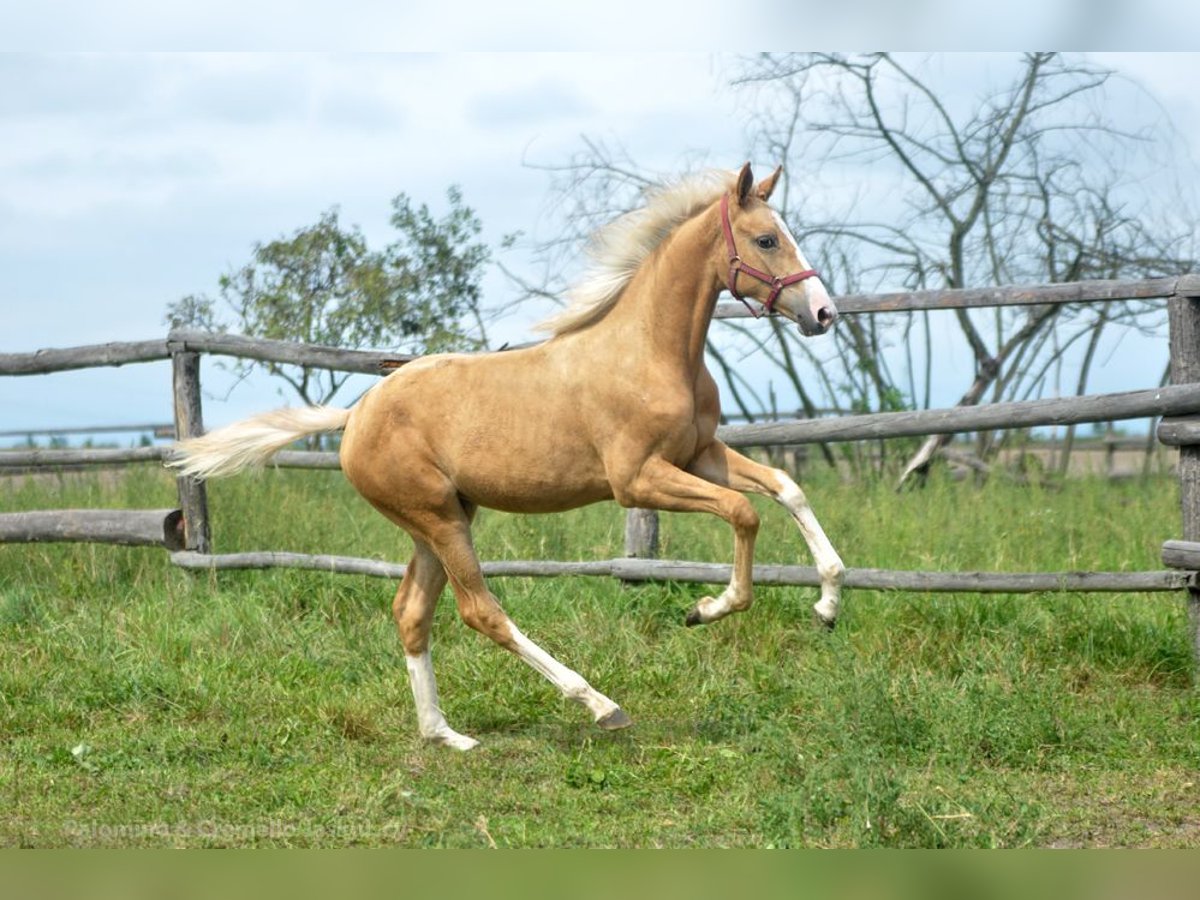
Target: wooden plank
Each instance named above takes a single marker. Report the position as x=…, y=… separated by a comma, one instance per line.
x=306, y=459
x=317, y=356
x=351, y=565
x=1167, y=401
x=193, y=496
x=1181, y=555
x=1188, y=285
x=1182, y=431
x=641, y=533
x=163, y=429
x=1017, y=295
x=903, y=580
x=341, y=565
x=718, y=573
x=87, y=456
x=309, y=459
x=131, y=527
x=62, y=359
x=287, y=459
x=1184, y=322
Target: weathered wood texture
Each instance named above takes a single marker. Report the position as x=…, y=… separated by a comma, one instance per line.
x=32, y=459
x=902, y=580
x=369, y=362
x=133, y=527
x=716, y=573
x=1167, y=401
x=641, y=533
x=352, y=565
x=1183, y=431
x=159, y=429
x=53, y=458
x=1181, y=555
x=63, y=359
x=970, y=298
x=193, y=496
x=1184, y=314
x=306, y=459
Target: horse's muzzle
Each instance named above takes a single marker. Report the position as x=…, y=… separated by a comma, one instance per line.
x=819, y=322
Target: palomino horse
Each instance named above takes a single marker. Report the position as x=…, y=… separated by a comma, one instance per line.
x=617, y=405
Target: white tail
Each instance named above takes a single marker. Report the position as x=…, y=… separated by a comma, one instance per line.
x=252, y=441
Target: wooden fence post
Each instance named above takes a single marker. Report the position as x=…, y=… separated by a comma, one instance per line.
x=193, y=495
x=1184, y=315
x=641, y=533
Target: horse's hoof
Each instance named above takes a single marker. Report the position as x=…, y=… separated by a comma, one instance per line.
x=825, y=613
x=614, y=720
x=693, y=618
x=454, y=740
x=824, y=623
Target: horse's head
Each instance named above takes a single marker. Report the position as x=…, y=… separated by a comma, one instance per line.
x=763, y=261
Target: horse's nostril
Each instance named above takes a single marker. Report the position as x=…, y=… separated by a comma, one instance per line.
x=826, y=315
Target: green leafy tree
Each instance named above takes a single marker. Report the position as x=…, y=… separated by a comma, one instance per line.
x=325, y=285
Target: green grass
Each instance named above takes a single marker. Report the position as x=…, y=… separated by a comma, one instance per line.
x=141, y=705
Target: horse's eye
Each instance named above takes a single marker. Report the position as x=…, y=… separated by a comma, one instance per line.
x=767, y=242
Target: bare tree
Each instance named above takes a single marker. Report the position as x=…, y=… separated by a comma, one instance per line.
x=1027, y=185
x=895, y=181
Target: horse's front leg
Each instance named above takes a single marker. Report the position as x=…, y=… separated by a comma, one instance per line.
x=724, y=466
x=658, y=484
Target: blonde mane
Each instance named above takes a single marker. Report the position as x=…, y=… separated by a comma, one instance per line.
x=620, y=247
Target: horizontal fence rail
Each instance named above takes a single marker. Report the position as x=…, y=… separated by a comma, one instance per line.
x=636, y=570
x=369, y=362
x=30, y=459
x=161, y=429
x=372, y=361
x=1166, y=401
x=1181, y=432
x=132, y=527
x=42, y=362
x=84, y=456
x=1175, y=400
x=973, y=298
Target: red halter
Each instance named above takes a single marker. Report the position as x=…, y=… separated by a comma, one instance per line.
x=777, y=283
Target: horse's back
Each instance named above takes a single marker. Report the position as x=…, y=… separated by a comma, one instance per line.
x=505, y=430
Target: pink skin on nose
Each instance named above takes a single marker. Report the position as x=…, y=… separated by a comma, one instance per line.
x=820, y=306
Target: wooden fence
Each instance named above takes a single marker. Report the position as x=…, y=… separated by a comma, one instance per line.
x=187, y=535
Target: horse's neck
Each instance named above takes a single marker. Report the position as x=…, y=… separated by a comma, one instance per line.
x=668, y=305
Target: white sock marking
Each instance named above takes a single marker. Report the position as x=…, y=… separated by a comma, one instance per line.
x=430, y=721
x=573, y=685
x=829, y=564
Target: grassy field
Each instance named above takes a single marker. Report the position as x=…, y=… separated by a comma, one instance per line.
x=144, y=706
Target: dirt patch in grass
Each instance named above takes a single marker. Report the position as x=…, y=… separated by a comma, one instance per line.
x=1159, y=809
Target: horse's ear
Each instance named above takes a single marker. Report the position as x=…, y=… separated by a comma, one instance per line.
x=745, y=181
x=767, y=185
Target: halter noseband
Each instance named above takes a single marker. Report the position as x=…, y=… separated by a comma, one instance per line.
x=777, y=283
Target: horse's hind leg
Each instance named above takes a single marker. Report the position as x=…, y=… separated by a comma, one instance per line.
x=450, y=539
x=413, y=609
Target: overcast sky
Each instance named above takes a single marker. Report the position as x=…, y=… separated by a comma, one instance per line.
x=129, y=179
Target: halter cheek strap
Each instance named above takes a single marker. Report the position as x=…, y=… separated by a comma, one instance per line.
x=736, y=266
